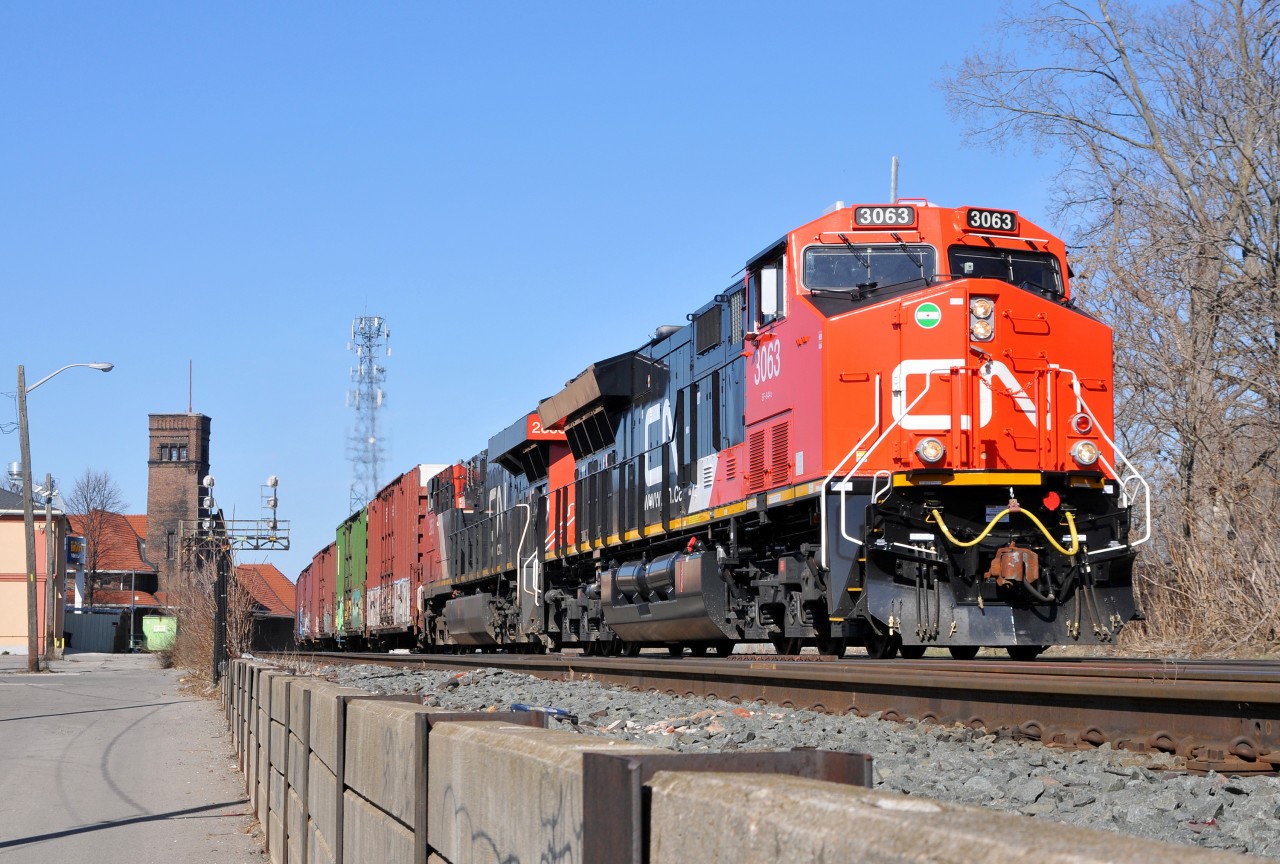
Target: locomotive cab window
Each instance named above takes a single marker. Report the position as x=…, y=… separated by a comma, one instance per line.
x=853, y=268
x=1031, y=271
x=767, y=292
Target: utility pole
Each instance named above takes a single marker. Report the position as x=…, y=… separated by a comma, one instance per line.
x=28, y=516
x=29, y=525
x=50, y=571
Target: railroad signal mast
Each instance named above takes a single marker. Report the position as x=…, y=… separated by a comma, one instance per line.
x=369, y=338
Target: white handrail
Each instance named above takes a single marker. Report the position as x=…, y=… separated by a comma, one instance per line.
x=532, y=590
x=1132, y=478
x=822, y=499
x=876, y=491
x=844, y=483
x=822, y=506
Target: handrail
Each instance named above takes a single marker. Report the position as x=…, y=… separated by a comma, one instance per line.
x=876, y=491
x=1132, y=478
x=822, y=499
x=520, y=562
x=844, y=484
x=823, y=540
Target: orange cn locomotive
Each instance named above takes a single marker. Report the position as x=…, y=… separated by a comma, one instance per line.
x=894, y=432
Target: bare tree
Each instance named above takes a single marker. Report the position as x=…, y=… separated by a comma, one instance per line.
x=94, y=495
x=1165, y=121
x=195, y=598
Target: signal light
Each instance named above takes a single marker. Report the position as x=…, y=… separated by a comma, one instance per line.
x=1082, y=423
x=931, y=450
x=1085, y=453
x=982, y=307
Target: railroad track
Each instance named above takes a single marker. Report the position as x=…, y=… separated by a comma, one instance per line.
x=1220, y=716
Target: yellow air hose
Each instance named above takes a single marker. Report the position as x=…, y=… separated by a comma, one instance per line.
x=1014, y=508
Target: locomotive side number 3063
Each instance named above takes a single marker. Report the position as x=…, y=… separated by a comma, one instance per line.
x=993, y=220
x=877, y=216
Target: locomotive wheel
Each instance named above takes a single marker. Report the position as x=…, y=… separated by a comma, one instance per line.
x=831, y=646
x=912, y=652
x=675, y=650
x=1023, y=653
x=784, y=646
x=963, y=652
x=882, y=646
x=632, y=649
x=698, y=650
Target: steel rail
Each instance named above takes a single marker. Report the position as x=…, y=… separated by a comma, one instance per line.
x=1219, y=716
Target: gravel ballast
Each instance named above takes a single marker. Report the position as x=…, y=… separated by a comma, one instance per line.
x=1136, y=794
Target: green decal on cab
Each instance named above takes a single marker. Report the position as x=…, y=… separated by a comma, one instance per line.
x=928, y=315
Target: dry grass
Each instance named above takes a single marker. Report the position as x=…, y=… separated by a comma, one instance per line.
x=1210, y=581
x=193, y=646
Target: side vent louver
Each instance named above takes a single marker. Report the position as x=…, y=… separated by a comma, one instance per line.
x=780, y=461
x=755, y=460
x=769, y=456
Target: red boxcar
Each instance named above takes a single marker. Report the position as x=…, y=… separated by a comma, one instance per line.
x=324, y=572
x=305, y=616
x=398, y=520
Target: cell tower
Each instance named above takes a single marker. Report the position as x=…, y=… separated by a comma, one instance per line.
x=369, y=337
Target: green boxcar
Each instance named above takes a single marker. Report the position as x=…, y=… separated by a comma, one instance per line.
x=159, y=631
x=353, y=564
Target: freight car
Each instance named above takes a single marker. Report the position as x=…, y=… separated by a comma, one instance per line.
x=895, y=432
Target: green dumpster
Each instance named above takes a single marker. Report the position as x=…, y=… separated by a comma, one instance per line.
x=159, y=631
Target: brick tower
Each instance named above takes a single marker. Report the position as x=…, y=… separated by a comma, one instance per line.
x=177, y=462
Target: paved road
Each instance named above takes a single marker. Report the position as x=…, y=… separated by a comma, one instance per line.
x=106, y=761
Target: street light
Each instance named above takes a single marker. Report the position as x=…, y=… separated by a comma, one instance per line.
x=29, y=519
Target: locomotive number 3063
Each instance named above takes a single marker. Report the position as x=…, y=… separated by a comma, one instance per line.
x=995, y=220
x=884, y=216
x=768, y=363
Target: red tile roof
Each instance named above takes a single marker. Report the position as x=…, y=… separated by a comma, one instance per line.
x=269, y=588
x=110, y=597
x=138, y=522
x=119, y=548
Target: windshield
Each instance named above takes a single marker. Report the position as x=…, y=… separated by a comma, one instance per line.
x=1034, y=271
x=852, y=267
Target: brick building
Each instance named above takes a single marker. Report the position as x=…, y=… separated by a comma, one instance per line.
x=177, y=462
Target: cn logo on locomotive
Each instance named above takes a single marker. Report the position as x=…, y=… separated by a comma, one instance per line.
x=932, y=367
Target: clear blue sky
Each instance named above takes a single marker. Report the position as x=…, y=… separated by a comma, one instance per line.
x=520, y=189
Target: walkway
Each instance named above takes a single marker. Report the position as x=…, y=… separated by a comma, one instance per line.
x=107, y=761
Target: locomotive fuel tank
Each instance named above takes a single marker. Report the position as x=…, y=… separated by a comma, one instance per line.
x=470, y=620
x=679, y=597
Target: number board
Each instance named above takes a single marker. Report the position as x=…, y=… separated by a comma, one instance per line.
x=991, y=220
x=882, y=216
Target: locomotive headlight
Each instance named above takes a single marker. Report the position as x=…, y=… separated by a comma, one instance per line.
x=931, y=450
x=982, y=307
x=1084, y=452
x=981, y=330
